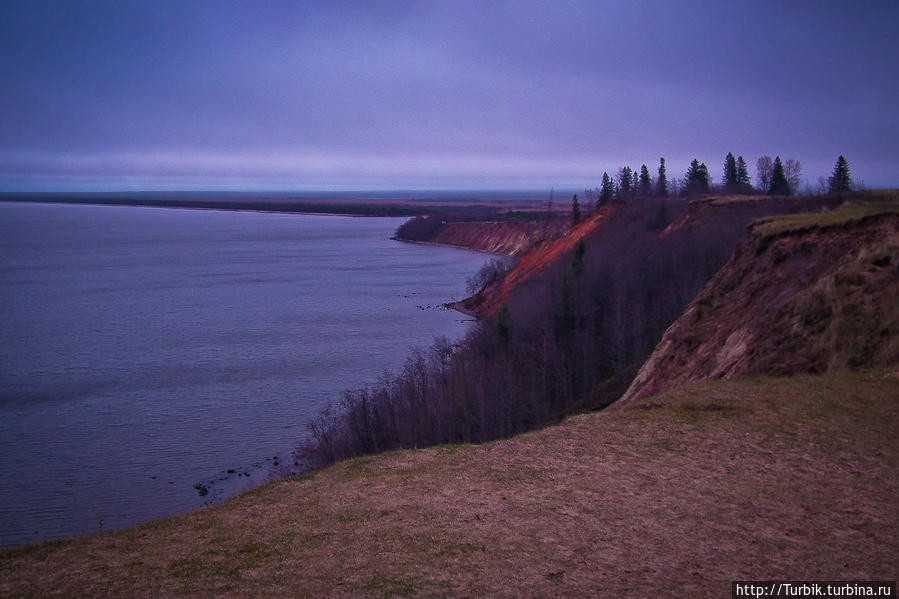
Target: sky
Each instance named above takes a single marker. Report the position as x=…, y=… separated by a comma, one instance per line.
x=304, y=95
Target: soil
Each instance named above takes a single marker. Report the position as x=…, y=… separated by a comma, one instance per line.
x=811, y=300
x=530, y=265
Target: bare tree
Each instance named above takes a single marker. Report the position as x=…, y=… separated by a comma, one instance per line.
x=764, y=167
x=793, y=171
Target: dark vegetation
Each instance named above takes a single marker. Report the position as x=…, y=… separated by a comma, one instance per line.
x=259, y=205
x=487, y=274
x=567, y=341
x=459, y=210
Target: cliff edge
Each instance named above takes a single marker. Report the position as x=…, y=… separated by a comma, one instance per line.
x=809, y=293
x=539, y=257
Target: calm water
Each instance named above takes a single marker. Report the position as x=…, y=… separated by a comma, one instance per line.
x=148, y=351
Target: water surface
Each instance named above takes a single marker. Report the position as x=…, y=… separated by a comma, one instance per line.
x=146, y=352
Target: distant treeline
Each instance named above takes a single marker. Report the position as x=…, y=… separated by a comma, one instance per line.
x=401, y=208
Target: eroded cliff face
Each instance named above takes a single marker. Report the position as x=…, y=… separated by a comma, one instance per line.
x=510, y=238
x=531, y=264
x=808, y=299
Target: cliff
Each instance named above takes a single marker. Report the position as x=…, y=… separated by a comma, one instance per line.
x=511, y=238
x=505, y=235
x=810, y=293
x=531, y=264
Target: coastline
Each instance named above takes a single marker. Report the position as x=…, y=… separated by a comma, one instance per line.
x=360, y=209
x=451, y=245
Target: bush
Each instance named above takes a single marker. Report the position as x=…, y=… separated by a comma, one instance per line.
x=487, y=274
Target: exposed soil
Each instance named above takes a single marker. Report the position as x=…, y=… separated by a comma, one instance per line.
x=530, y=265
x=811, y=300
x=761, y=479
x=511, y=238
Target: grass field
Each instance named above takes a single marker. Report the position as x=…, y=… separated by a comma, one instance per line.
x=677, y=496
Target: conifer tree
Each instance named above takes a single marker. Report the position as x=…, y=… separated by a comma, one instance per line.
x=662, y=181
x=743, y=182
x=779, y=185
x=645, y=182
x=730, y=173
x=696, y=180
x=625, y=182
x=840, y=181
x=575, y=211
x=607, y=190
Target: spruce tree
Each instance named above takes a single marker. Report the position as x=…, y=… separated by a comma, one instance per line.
x=607, y=191
x=625, y=182
x=662, y=181
x=696, y=179
x=743, y=182
x=575, y=211
x=730, y=173
x=645, y=182
x=840, y=181
x=779, y=185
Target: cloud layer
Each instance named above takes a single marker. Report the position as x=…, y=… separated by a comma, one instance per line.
x=449, y=94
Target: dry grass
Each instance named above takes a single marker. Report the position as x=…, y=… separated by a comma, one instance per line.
x=763, y=478
x=853, y=211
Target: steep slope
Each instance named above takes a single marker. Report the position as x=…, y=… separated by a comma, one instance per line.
x=537, y=260
x=701, y=212
x=511, y=238
x=802, y=294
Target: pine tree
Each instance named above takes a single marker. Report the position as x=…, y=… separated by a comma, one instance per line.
x=696, y=179
x=840, y=181
x=625, y=182
x=779, y=185
x=575, y=211
x=730, y=173
x=662, y=181
x=743, y=182
x=645, y=182
x=607, y=191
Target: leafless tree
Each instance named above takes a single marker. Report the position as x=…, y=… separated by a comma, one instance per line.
x=764, y=167
x=793, y=171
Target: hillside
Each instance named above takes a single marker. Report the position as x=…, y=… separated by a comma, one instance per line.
x=532, y=264
x=511, y=238
x=759, y=479
x=809, y=293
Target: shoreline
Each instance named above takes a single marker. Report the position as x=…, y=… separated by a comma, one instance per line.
x=450, y=245
x=365, y=210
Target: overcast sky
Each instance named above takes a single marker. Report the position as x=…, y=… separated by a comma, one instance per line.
x=424, y=95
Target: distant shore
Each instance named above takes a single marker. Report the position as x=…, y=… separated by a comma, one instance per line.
x=284, y=207
x=399, y=204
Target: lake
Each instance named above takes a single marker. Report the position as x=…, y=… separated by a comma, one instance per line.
x=158, y=360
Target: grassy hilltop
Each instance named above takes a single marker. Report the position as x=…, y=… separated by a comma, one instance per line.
x=762, y=478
